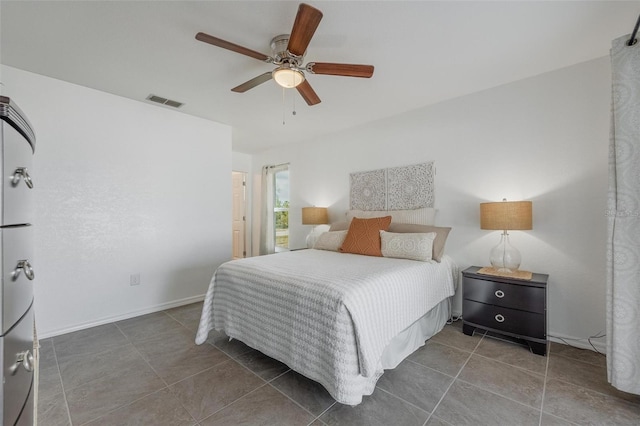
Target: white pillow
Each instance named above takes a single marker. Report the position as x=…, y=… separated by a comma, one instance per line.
x=408, y=246
x=423, y=216
x=331, y=240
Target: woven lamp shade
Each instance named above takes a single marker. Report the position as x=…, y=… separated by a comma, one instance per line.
x=506, y=215
x=315, y=216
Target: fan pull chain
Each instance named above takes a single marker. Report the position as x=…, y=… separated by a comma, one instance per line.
x=283, y=122
x=294, y=105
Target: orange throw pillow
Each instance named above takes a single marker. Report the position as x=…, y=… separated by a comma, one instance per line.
x=363, y=236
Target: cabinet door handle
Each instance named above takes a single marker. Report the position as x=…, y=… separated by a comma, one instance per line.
x=499, y=294
x=21, y=172
x=499, y=318
x=25, y=266
x=25, y=359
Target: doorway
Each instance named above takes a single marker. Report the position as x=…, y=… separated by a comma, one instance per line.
x=239, y=182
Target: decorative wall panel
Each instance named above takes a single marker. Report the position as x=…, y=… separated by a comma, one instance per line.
x=368, y=190
x=410, y=187
x=396, y=188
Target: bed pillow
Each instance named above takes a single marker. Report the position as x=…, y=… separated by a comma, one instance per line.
x=438, y=244
x=331, y=240
x=363, y=236
x=339, y=226
x=407, y=245
x=423, y=216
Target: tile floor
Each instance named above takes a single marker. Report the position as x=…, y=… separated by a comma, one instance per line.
x=148, y=371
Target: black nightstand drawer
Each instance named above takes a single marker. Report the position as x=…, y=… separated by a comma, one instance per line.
x=506, y=305
x=513, y=296
x=500, y=318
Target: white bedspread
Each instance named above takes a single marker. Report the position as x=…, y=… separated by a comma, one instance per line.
x=326, y=315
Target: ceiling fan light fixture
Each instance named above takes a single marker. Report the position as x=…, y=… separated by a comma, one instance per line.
x=288, y=77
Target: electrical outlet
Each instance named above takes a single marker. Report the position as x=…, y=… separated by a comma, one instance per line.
x=134, y=279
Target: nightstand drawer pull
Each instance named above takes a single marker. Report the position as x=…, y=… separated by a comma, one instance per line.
x=499, y=294
x=499, y=318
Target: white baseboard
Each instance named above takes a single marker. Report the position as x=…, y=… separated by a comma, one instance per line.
x=128, y=315
x=582, y=343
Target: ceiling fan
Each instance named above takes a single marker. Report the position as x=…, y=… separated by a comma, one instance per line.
x=288, y=55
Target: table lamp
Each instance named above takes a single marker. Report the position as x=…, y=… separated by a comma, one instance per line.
x=506, y=215
x=314, y=216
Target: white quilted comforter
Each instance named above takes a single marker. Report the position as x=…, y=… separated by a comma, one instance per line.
x=326, y=315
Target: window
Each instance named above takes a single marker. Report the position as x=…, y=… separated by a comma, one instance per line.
x=274, y=229
x=281, y=210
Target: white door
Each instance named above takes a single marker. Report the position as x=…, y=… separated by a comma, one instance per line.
x=239, y=183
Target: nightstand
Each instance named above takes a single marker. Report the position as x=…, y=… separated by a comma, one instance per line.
x=512, y=307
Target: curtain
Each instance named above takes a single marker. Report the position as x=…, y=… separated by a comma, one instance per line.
x=268, y=200
x=623, y=220
x=267, y=225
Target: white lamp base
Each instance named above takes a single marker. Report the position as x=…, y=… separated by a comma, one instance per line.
x=504, y=257
x=315, y=233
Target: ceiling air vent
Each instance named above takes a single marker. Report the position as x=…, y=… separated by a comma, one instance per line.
x=164, y=101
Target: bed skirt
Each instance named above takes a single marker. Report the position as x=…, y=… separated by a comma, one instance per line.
x=415, y=336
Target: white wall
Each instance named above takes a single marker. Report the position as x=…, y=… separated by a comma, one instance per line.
x=543, y=139
x=122, y=187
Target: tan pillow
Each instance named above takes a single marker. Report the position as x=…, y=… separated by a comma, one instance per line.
x=423, y=216
x=438, y=244
x=410, y=246
x=331, y=240
x=363, y=236
x=339, y=226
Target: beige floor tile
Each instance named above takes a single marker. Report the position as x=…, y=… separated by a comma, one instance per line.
x=188, y=315
x=512, y=354
x=311, y=395
x=466, y=404
x=49, y=382
x=452, y=335
x=584, y=355
x=379, y=409
x=158, y=409
x=178, y=357
x=443, y=358
x=416, y=384
x=98, y=397
x=84, y=368
x=549, y=420
x=265, y=367
x=264, y=406
x=52, y=410
x=435, y=421
x=508, y=381
x=588, y=407
x=232, y=347
x=210, y=391
x=149, y=326
x=89, y=341
x=586, y=375
x=46, y=353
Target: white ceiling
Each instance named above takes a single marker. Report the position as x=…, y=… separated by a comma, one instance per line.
x=424, y=52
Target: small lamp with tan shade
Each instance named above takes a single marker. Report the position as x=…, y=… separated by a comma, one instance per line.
x=314, y=216
x=506, y=216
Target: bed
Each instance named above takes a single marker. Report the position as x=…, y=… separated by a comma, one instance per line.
x=337, y=318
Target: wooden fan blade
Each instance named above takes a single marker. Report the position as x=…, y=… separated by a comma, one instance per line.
x=307, y=20
x=307, y=92
x=347, y=70
x=230, y=46
x=252, y=83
